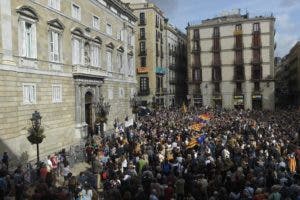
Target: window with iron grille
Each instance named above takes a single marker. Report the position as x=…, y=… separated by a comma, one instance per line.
x=144, y=84
x=256, y=27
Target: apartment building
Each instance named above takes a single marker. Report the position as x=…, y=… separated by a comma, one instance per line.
x=176, y=64
x=59, y=57
x=288, y=78
x=231, y=62
x=150, y=53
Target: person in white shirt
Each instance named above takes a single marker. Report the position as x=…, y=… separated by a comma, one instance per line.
x=49, y=164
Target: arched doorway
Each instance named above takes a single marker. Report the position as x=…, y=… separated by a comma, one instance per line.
x=89, y=112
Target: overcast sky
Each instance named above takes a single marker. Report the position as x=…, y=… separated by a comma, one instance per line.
x=286, y=12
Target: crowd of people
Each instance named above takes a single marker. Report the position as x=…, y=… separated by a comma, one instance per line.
x=242, y=155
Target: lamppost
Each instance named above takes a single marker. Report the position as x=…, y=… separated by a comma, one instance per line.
x=134, y=103
x=102, y=110
x=36, y=135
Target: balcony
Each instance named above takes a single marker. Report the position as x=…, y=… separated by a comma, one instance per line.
x=172, y=67
x=144, y=92
x=239, y=77
x=239, y=62
x=82, y=70
x=172, y=81
x=216, y=63
x=256, y=61
x=143, y=53
x=238, y=32
x=256, y=45
x=238, y=47
x=142, y=37
x=142, y=23
x=216, y=48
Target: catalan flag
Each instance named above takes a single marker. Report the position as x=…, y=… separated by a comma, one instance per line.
x=184, y=108
x=196, y=126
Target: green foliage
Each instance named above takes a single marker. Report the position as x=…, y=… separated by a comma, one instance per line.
x=36, y=137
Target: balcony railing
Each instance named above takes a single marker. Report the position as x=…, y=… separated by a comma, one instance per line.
x=238, y=47
x=216, y=48
x=143, y=53
x=172, y=67
x=172, y=81
x=142, y=23
x=238, y=61
x=256, y=45
x=256, y=61
x=144, y=92
x=239, y=77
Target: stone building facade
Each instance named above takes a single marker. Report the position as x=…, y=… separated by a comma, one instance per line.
x=176, y=64
x=58, y=57
x=231, y=62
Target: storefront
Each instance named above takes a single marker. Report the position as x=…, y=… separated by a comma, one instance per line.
x=239, y=102
x=256, y=102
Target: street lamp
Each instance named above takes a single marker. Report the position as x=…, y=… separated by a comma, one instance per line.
x=102, y=109
x=36, y=135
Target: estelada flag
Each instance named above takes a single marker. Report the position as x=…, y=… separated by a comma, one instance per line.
x=205, y=117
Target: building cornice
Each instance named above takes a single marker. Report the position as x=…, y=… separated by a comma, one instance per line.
x=223, y=23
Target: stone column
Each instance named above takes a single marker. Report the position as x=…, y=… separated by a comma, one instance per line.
x=78, y=104
x=6, y=27
x=78, y=127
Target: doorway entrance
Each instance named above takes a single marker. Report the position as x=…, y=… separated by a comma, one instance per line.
x=89, y=112
x=257, y=102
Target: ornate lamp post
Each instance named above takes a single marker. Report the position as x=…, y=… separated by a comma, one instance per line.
x=102, y=110
x=36, y=135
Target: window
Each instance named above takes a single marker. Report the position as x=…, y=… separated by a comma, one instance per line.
x=142, y=33
x=239, y=87
x=77, y=52
x=110, y=93
x=217, y=87
x=121, y=93
x=142, y=47
x=216, y=31
x=54, y=46
x=143, y=62
x=256, y=86
x=130, y=65
x=120, y=62
x=197, y=74
x=144, y=84
x=95, y=54
x=238, y=27
x=108, y=29
x=96, y=22
x=54, y=4
x=29, y=93
x=76, y=12
x=28, y=41
x=196, y=34
x=109, y=60
x=157, y=21
x=56, y=93
x=142, y=18
x=196, y=46
x=256, y=27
